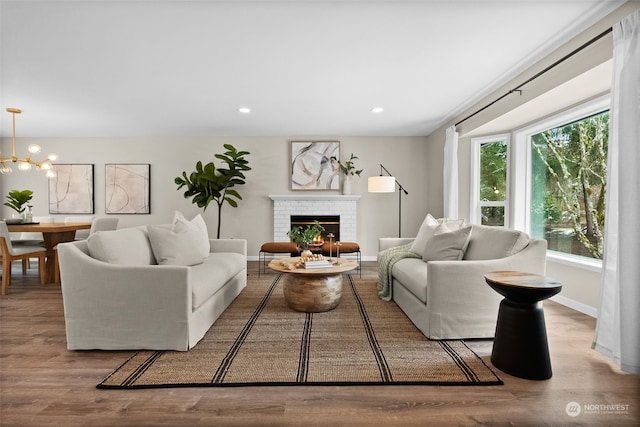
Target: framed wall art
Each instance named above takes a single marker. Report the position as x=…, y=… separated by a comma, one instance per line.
x=311, y=167
x=71, y=189
x=127, y=188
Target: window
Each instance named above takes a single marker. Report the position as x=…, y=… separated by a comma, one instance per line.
x=548, y=179
x=559, y=182
x=568, y=180
x=490, y=166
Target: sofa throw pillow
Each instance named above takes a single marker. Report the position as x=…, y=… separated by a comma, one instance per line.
x=452, y=224
x=495, y=242
x=425, y=232
x=126, y=246
x=186, y=243
x=448, y=245
x=180, y=224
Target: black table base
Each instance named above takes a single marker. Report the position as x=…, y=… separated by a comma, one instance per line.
x=520, y=346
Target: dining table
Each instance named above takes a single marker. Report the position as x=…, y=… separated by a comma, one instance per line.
x=52, y=234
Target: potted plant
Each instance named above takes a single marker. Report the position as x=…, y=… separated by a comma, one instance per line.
x=207, y=184
x=304, y=237
x=17, y=199
x=348, y=168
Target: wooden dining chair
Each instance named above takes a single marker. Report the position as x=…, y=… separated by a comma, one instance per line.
x=29, y=239
x=10, y=254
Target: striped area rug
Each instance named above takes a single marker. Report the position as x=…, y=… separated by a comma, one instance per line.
x=260, y=341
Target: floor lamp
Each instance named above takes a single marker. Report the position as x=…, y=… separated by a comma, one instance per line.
x=387, y=184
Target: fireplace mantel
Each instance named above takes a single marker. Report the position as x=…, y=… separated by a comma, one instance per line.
x=315, y=197
x=310, y=204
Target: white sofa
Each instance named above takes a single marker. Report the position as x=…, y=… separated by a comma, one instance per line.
x=127, y=301
x=450, y=299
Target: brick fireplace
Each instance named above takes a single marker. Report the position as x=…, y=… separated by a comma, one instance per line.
x=286, y=206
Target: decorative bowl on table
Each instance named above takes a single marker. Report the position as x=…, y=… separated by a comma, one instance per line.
x=12, y=221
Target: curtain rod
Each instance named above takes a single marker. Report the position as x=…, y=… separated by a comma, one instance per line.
x=559, y=61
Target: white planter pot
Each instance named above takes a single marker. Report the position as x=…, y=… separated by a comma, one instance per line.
x=346, y=185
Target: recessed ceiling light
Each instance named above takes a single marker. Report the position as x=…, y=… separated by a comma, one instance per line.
x=377, y=110
x=244, y=110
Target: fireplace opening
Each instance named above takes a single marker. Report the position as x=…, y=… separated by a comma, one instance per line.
x=331, y=224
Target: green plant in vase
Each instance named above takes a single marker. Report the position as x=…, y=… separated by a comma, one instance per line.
x=303, y=237
x=17, y=199
x=348, y=169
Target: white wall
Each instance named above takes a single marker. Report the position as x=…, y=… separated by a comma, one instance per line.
x=270, y=160
x=580, y=286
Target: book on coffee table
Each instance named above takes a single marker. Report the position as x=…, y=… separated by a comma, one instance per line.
x=317, y=264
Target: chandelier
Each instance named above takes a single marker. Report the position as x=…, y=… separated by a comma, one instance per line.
x=26, y=163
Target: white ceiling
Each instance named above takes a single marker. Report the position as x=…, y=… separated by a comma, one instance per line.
x=314, y=68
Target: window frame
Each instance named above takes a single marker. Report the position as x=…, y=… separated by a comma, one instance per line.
x=522, y=162
x=476, y=205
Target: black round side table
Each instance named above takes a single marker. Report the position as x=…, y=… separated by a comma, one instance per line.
x=520, y=346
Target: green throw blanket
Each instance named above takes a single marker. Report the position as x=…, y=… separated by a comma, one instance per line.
x=388, y=258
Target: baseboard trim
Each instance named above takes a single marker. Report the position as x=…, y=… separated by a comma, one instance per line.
x=575, y=305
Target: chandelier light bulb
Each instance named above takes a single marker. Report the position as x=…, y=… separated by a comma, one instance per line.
x=51, y=173
x=52, y=157
x=5, y=170
x=34, y=148
x=24, y=166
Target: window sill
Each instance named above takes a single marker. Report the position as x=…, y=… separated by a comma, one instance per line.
x=575, y=261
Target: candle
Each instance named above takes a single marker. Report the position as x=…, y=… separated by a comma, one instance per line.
x=330, y=236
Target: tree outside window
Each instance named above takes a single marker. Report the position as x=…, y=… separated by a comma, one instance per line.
x=568, y=182
x=493, y=182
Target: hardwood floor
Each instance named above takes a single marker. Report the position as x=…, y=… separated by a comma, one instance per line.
x=42, y=383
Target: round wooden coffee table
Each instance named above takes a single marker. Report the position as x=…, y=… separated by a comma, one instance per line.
x=520, y=346
x=312, y=290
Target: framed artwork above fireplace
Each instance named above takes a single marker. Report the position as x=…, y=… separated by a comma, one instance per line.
x=311, y=167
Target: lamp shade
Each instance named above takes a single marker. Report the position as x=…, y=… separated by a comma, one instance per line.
x=381, y=184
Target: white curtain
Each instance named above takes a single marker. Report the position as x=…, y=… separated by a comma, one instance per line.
x=450, y=173
x=618, y=329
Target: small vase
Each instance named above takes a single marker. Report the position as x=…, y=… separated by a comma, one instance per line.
x=28, y=215
x=303, y=248
x=346, y=185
